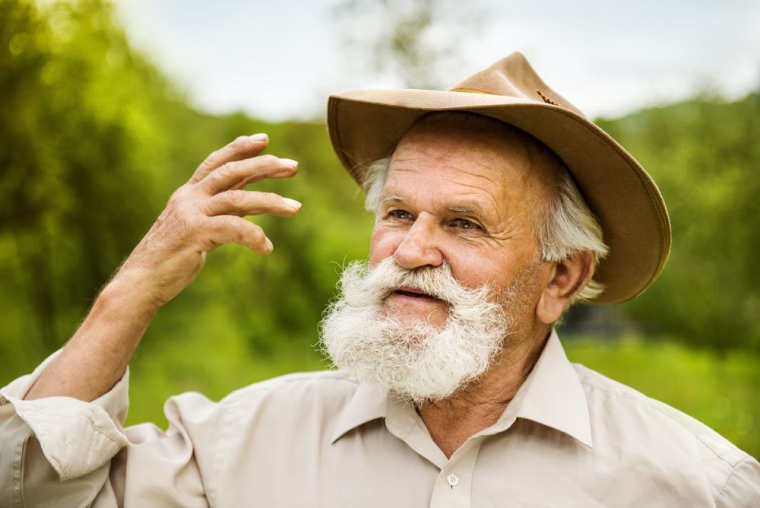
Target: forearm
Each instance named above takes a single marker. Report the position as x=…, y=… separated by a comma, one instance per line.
x=97, y=355
x=204, y=213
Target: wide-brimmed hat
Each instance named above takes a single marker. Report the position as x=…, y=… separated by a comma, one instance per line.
x=366, y=125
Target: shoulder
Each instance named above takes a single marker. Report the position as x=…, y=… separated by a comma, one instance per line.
x=276, y=409
x=318, y=387
x=322, y=386
x=303, y=395
x=650, y=433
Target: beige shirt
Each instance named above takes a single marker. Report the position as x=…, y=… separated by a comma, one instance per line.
x=570, y=437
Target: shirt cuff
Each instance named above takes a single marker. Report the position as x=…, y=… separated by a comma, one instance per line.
x=76, y=437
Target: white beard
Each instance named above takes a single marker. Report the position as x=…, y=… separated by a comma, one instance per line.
x=415, y=361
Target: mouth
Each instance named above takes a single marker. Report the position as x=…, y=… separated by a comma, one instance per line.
x=412, y=292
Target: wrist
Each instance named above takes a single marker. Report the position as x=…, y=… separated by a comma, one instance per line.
x=132, y=290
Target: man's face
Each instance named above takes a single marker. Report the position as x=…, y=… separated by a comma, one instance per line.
x=457, y=221
x=467, y=197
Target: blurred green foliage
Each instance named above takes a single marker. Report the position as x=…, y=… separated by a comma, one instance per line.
x=93, y=140
x=705, y=156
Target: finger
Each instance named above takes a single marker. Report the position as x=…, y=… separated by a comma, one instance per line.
x=237, y=174
x=240, y=202
x=229, y=228
x=242, y=148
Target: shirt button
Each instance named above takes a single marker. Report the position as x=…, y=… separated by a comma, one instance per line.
x=453, y=480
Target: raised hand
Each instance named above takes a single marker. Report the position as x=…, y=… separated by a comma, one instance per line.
x=202, y=214
x=207, y=212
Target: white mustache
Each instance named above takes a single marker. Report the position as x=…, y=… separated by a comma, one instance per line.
x=380, y=281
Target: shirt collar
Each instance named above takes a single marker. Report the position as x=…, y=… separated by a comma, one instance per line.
x=551, y=395
x=368, y=403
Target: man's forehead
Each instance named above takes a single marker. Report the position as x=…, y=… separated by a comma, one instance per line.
x=481, y=147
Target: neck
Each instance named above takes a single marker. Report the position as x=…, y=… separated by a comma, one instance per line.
x=480, y=404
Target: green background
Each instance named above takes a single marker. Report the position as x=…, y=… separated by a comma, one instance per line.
x=94, y=138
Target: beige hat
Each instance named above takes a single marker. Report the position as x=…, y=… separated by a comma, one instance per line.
x=366, y=125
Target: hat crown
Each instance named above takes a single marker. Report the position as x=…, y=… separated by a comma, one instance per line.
x=513, y=76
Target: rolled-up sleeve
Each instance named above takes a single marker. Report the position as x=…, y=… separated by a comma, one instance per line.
x=60, y=451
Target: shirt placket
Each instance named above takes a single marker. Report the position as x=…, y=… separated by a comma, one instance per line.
x=453, y=484
x=453, y=487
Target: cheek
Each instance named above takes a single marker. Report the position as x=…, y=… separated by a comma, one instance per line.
x=382, y=245
x=473, y=268
x=472, y=275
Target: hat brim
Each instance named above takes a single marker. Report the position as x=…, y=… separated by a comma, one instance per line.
x=366, y=125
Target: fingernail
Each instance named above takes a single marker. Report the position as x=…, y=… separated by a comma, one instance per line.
x=292, y=203
x=268, y=245
x=289, y=162
x=260, y=137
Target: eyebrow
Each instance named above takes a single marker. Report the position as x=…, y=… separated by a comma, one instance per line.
x=465, y=208
x=392, y=197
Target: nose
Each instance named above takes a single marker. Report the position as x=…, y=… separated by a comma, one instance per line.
x=419, y=246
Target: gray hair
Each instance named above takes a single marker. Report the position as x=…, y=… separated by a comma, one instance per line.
x=566, y=227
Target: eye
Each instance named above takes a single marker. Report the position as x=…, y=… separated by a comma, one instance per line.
x=466, y=225
x=400, y=215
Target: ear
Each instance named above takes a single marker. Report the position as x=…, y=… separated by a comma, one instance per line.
x=568, y=277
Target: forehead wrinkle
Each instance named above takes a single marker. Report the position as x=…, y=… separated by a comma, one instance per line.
x=491, y=181
x=441, y=162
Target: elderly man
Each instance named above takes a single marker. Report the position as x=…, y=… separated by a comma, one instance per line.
x=497, y=205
